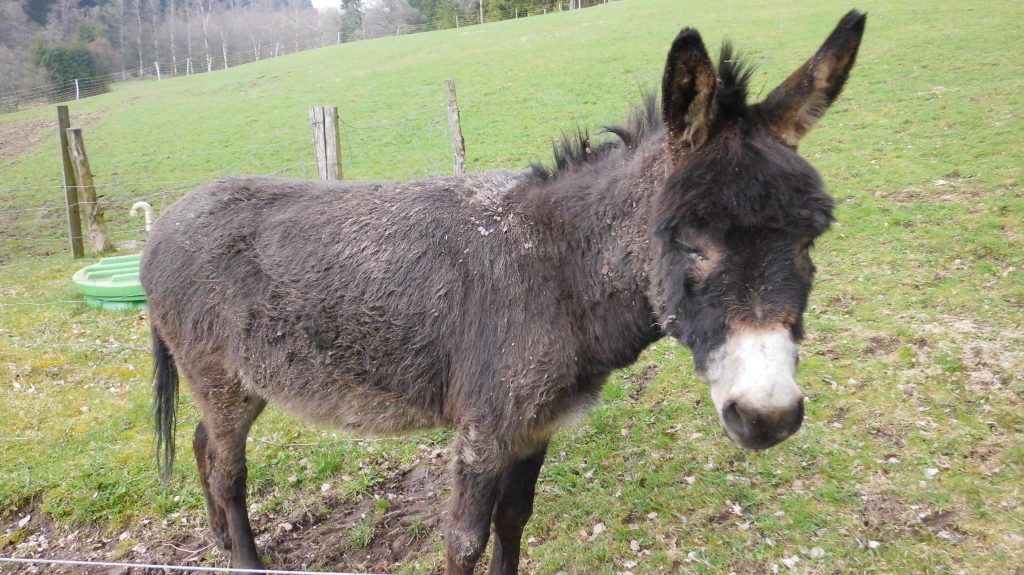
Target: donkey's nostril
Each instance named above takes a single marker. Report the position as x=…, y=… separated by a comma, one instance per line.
x=754, y=429
x=734, y=418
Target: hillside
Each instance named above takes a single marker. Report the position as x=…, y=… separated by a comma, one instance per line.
x=911, y=458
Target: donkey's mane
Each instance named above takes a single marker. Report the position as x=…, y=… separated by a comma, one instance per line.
x=734, y=73
x=577, y=147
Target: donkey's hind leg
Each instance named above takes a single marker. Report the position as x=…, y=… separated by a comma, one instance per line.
x=228, y=414
x=218, y=522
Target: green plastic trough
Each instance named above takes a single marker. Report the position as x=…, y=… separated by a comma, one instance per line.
x=112, y=283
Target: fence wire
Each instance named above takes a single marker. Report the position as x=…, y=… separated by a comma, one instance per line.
x=368, y=151
x=163, y=567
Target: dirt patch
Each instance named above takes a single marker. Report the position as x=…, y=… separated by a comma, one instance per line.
x=320, y=532
x=882, y=345
x=888, y=434
x=357, y=536
x=640, y=383
x=951, y=188
x=889, y=517
x=984, y=357
x=20, y=136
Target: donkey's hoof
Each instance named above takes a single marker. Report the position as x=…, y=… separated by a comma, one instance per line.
x=246, y=564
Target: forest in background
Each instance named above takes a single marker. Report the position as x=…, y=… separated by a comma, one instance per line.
x=49, y=42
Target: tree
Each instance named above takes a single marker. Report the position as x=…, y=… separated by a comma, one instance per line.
x=351, y=19
x=205, y=9
x=37, y=10
x=16, y=33
x=63, y=62
x=138, y=17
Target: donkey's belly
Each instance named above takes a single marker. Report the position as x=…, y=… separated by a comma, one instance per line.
x=349, y=404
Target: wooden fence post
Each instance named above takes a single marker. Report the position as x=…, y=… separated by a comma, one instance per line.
x=455, y=129
x=99, y=240
x=326, y=141
x=70, y=190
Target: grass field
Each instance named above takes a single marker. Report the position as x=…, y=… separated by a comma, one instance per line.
x=912, y=456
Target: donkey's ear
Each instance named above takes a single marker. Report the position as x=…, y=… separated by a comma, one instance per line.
x=688, y=92
x=792, y=109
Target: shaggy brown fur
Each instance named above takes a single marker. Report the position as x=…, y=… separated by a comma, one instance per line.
x=495, y=303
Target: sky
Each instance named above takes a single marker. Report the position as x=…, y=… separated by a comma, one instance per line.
x=325, y=3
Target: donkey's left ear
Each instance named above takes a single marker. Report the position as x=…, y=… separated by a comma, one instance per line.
x=792, y=109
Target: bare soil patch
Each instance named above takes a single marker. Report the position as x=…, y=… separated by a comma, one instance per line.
x=881, y=345
x=889, y=517
x=951, y=188
x=640, y=383
x=20, y=136
x=319, y=533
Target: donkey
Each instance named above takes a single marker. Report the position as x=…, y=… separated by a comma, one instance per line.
x=496, y=304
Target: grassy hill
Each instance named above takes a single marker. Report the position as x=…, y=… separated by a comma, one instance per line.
x=912, y=458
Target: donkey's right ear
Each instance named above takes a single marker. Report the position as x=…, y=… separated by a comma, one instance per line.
x=688, y=92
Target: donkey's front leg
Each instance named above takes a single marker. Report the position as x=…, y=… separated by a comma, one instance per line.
x=475, y=474
x=513, y=508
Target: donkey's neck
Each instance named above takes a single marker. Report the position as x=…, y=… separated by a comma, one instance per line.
x=598, y=220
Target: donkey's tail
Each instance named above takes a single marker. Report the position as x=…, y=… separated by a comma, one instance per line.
x=165, y=402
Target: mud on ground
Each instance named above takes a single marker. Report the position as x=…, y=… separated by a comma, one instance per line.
x=325, y=532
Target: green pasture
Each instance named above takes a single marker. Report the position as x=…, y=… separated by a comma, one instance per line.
x=912, y=456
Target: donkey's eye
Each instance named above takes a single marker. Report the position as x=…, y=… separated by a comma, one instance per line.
x=692, y=251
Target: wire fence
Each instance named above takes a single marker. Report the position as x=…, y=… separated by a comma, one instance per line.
x=34, y=223
x=164, y=568
x=213, y=61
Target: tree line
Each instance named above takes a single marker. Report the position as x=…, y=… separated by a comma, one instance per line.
x=47, y=42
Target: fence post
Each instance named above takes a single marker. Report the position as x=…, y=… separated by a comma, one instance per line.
x=326, y=141
x=78, y=92
x=481, y=11
x=224, y=50
x=157, y=66
x=70, y=190
x=99, y=240
x=455, y=129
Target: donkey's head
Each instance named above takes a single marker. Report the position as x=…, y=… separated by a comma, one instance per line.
x=734, y=224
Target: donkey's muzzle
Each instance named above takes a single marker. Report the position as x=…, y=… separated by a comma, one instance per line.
x=751, y=428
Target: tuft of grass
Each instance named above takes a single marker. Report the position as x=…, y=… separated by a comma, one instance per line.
x=362, y=483
x=361, y=536
x=417, y=530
